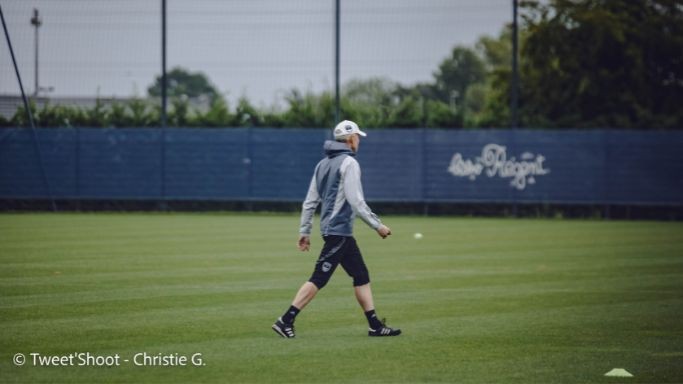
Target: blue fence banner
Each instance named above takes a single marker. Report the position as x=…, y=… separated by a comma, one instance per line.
x=398, y=165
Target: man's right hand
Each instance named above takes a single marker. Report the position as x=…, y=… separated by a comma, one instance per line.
x=304, y=243
x=383, y=231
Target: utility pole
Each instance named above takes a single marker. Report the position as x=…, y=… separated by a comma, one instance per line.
x=36, y=22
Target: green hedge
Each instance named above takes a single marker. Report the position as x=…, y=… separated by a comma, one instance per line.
x=303, y=110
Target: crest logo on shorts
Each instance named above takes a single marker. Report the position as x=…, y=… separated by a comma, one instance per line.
x=326, y=266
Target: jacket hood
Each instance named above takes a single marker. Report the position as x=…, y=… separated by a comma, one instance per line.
x=335, y=148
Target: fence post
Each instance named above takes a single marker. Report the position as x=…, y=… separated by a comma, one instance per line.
x=423, y=171
x=249, y=163
x=78, y=168
x=605, y=173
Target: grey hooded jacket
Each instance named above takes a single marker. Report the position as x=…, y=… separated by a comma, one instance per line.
x=336, y=183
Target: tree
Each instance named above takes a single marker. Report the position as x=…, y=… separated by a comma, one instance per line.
x=218, y=115
x=375, y=91
x=496, y=51
x=246, y=114
x=488, y=104
x=308, y=109
x=183, y=82
x=456, y=73
x=370, y=100
x=602, y=63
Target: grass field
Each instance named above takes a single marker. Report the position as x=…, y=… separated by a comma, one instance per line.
x=479, y=300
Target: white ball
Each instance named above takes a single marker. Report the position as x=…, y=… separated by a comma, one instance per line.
x=417, y=236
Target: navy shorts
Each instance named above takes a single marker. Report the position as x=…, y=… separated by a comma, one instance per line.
x=340, y=250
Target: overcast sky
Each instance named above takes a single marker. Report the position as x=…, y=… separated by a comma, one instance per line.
x=257, y=48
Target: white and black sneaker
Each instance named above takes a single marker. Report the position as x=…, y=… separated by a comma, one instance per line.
x=384, y=331
x=283, y=329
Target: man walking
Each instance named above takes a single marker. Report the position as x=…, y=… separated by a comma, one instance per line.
x=336, y=184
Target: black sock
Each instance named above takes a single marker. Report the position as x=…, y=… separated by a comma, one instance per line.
x=290, y=315
x=373, y=321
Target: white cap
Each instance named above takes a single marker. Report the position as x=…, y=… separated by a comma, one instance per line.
x=347, y=128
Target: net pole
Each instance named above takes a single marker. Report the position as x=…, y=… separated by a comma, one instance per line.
x=163, y=106
x=336, y=60
x=34, y=135
x=514, y=102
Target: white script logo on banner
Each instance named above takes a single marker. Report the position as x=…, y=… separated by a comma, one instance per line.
x=494, y=161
